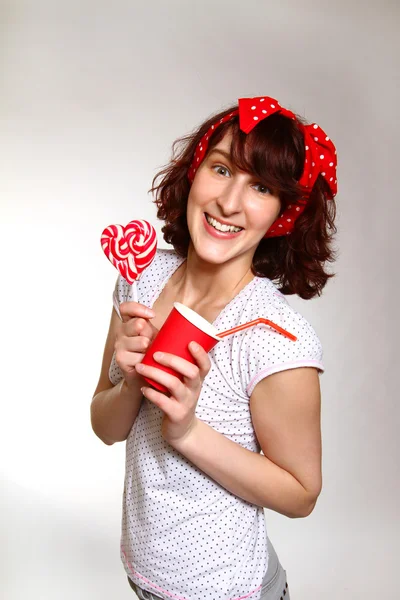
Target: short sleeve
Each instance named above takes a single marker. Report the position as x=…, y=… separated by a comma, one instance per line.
x=268, y=352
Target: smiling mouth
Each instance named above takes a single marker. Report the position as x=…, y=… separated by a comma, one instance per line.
x=220, y=226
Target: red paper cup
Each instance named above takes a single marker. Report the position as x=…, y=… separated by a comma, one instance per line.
x=182, y=326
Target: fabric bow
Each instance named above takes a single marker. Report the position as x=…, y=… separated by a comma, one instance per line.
x=320, y=154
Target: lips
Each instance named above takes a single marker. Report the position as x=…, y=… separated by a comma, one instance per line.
x=216, y=234
x=222, y=222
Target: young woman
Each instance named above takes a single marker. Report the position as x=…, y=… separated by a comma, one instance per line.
x=248, y=205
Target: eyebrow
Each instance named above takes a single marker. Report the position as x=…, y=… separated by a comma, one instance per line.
x=226, y=154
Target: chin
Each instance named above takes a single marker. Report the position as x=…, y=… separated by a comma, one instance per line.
x=211, y=257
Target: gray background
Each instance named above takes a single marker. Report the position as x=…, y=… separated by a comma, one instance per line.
x=92, y=94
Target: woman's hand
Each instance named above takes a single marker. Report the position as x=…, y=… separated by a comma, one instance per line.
x=179, y=409
x=134, y=336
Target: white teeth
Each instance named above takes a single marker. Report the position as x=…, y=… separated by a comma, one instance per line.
x=220, y=226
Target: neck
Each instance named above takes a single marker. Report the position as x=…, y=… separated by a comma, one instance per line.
x=205, y=283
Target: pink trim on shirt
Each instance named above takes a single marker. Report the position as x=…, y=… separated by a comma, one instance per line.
x=134, y=572
x=282, y=367
x=247, y=595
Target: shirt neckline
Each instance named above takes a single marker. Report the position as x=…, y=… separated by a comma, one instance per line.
x=235, y=298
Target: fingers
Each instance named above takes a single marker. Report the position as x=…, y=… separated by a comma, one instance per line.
x=138, y=344
x=134, y=336
x=192, y=374
x=129, y=352
x=129, y=310
x=139, y=327
x=172, y=383
x=201, y=357
x=190, y=371
x=135, y=318
x=178, y=364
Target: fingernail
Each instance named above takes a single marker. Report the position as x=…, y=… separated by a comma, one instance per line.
x=194, y=346
x=139, y=367
x=150, y=313
x=158, y=355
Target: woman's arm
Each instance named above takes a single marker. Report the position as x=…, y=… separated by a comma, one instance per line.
x=114, y=411
x=285, y=409
x=114, y=408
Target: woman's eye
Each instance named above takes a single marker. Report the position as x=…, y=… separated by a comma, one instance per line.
x=262, y=188
x=221, y=170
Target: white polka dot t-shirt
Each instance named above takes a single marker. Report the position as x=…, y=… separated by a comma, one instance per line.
x=184, y=536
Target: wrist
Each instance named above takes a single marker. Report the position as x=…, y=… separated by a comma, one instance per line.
x=130, y=389
x=184, y=442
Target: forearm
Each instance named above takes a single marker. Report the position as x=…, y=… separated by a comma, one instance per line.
x=251, y=476
x=114, y=411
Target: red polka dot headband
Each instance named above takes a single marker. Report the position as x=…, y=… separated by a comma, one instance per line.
x=320, y=154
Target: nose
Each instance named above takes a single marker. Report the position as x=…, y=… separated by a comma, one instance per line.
x=229, y=199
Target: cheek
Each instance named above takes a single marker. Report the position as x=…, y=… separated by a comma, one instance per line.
x=277, y=209
x=193, y=206
x=199, y=196
x=264, y=215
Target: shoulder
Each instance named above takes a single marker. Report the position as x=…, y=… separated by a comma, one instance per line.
x=268, y=302
x=268, y=351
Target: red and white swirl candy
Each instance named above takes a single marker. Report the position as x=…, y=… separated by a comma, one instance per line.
x=130, y=249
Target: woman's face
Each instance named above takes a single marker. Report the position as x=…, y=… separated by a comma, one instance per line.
x=232, y=197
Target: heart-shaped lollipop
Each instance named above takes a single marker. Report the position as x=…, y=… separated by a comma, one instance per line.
x=130, y=249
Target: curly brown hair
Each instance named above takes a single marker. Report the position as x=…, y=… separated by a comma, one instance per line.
x=274, y=152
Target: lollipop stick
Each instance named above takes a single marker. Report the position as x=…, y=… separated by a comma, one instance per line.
x=133, y=287
x=134, y=291
x=256, y=322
